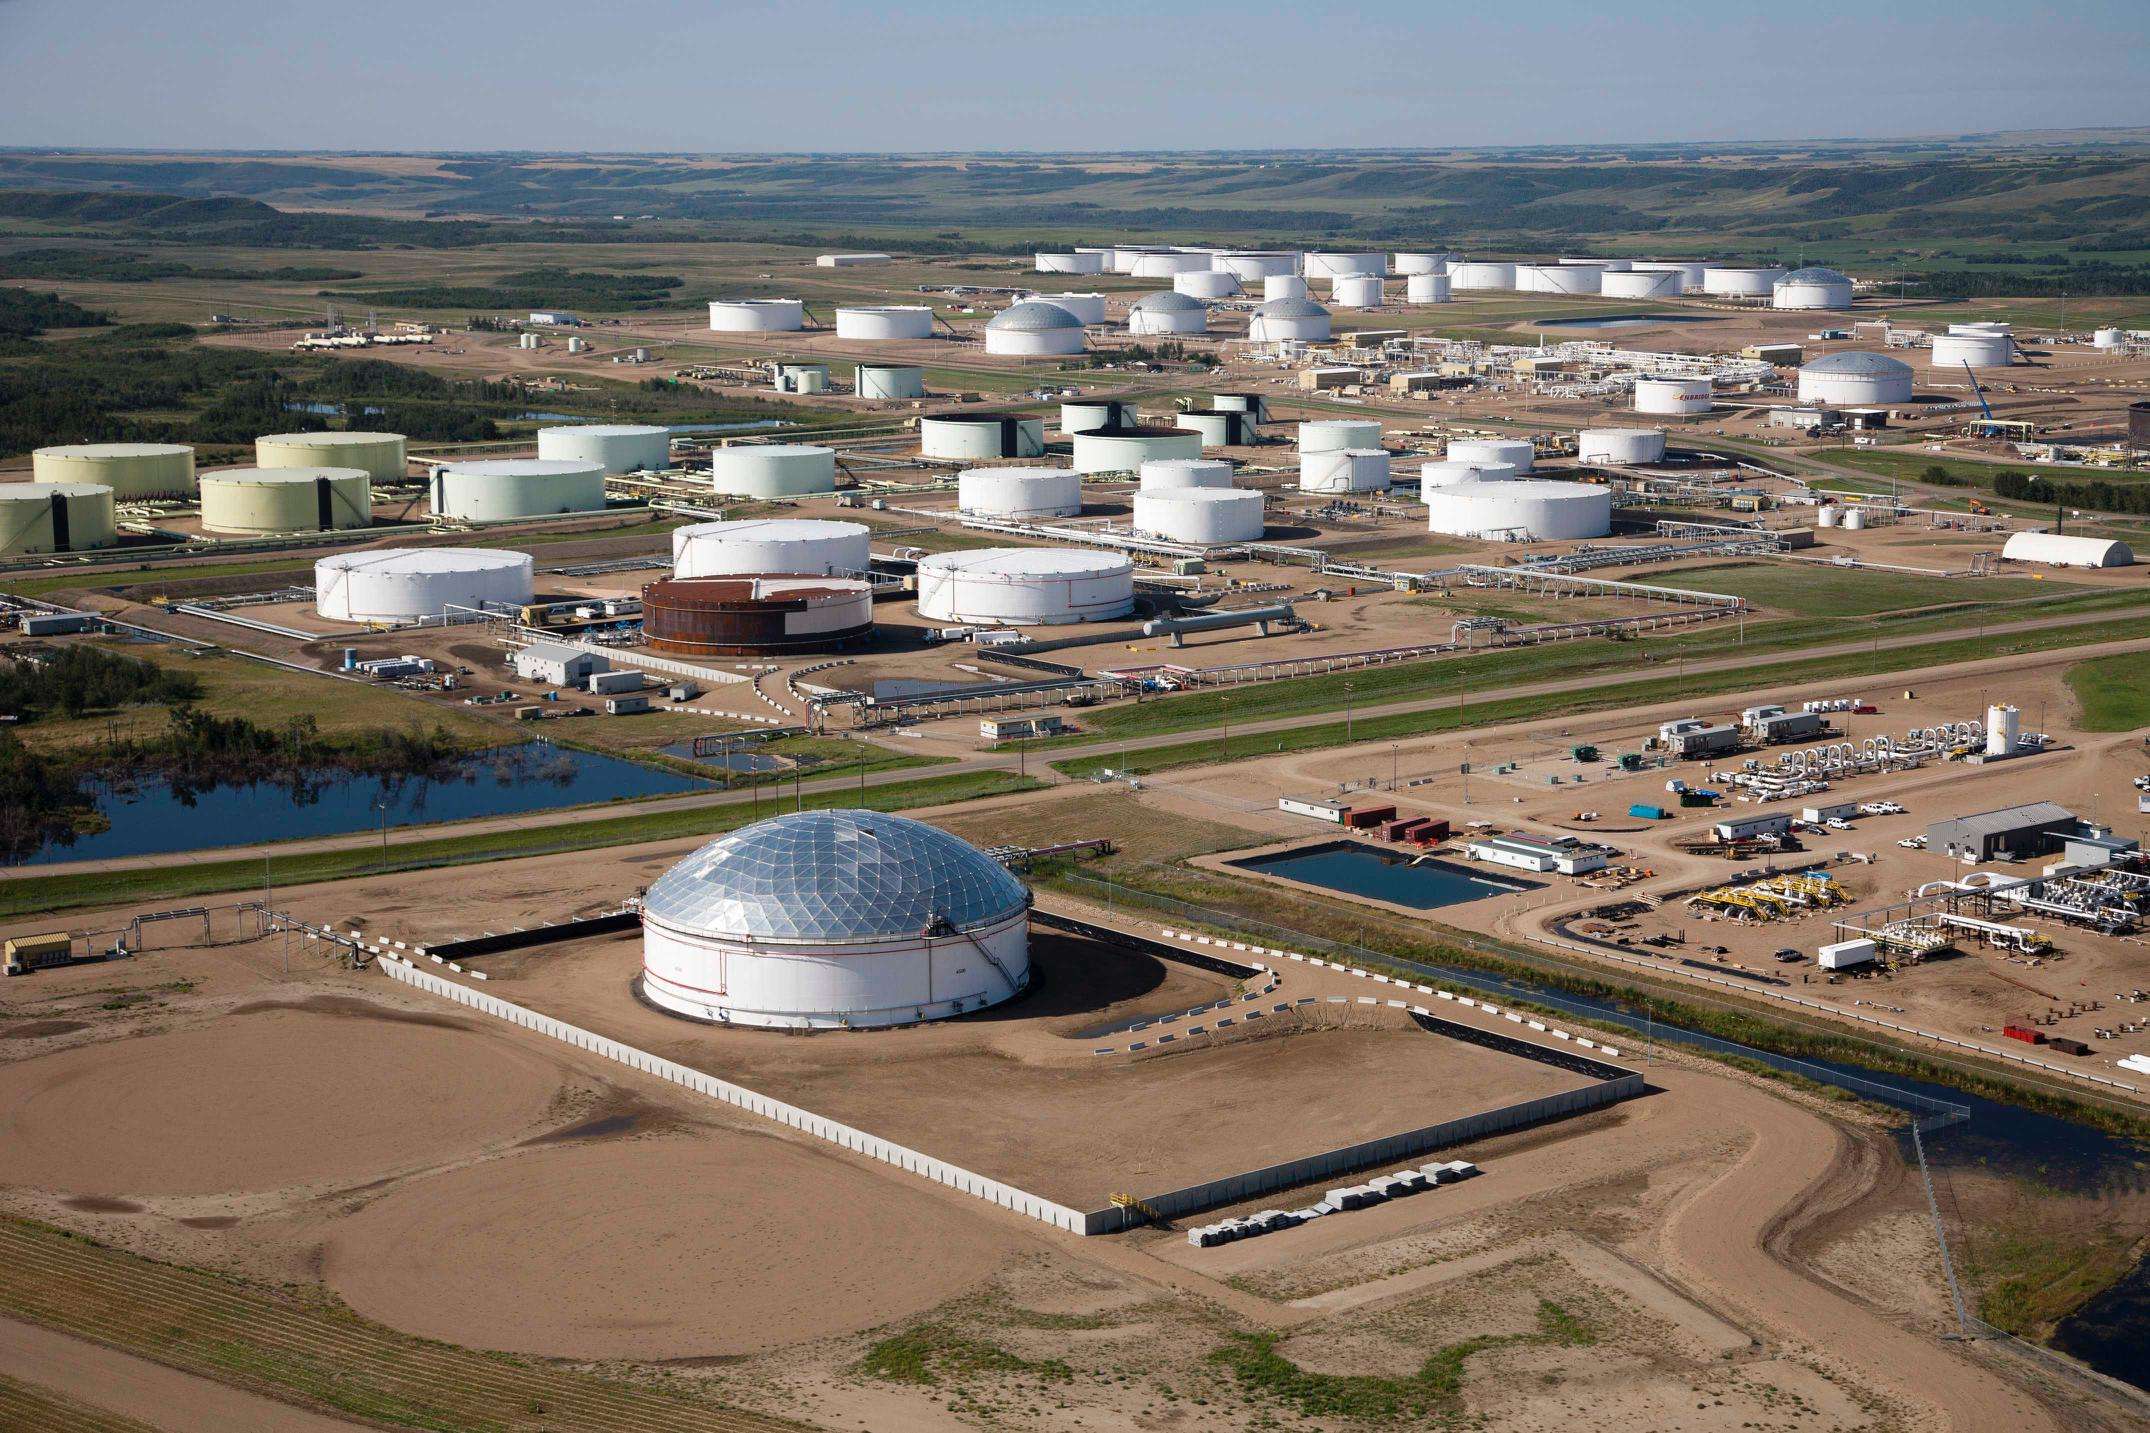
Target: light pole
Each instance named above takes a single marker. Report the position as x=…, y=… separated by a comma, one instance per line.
x=1347, y=714
x=1224, y=709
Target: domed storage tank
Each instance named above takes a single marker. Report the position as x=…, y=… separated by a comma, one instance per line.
x=828, y=920
x=379, y=455
x=1206, y=284
x=507, y=488
x=1513, y=452
x=1675, y=396
x=1167, y=313
x=884, y=323
x=1126, y=449
x=1811, y=288
x=1020, y=493
x=1090, y=308
x=1322, y=435
x=1444, y=475
x=1279, y=319
x=757, y=315
x=1336, y=265
x=809, y=546
x=1422, y=263
x=1482, y=275
x=1620, y=445
x=772, y=470
x=1025, y=586
x=1559, y=278
x=614, y=447
x=1640, y=284
x=1170, y=265
x=1344, y=470
x=1171, y=474
x=1733, y=281
x=56, y=517
x=1537, y=509
x=1207, y=517
x=259, y=502
x=132, y=471
x=1220, y=428
x=1428, y=289
x=1855, y=378
x=885, y=382
x=1283, y=286
x=1079, y=415
x=406, y=584
x=756, y=614
x=1689, y=271
x=1952, y=351
x=981, y=435
x=1080, y=263
x=1033, y=330
x=1248, y=265
x=1356, y=291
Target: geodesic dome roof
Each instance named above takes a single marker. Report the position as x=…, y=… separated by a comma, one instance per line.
x=1875, y=365
x=1033, y=316
x=1167, y=303
x=1292, y=308
x=1814, y=276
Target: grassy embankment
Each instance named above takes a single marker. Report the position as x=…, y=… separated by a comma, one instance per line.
x=2114, y=692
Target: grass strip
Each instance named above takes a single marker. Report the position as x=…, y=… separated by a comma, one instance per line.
x=2114, y=691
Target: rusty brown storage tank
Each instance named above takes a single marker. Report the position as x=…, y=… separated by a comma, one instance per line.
x=2139, y=425
x=755, y=614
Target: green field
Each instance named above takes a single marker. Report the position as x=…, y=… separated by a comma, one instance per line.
x=2114, y=692
x=1911, y=468
x=1812, y=589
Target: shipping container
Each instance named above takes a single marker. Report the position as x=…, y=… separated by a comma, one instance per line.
x=1362, y=818
x=1646, y=813
x=2068, y=1046
x=2024, y=1033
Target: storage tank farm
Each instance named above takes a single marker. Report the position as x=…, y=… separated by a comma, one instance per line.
x=1323, y=434
x=1254, y=265
x=1673, y=397
x=772, y=470
x=756, y=614
x=1855, y=378
x=56, y=517
x=889, y=381
x=1356, y=291
x=615, y=447
x=1019, y=494
x=380, y=455
x=1689, y=271
x=1025, y=586
x=1255, y=405
x=757, y=315
x=1219, y=427
x=1812, y=288
x=1167, y=313
x=1033, y=329
x=1736, y=281
x=1579, y=279
x=1482, y=275
x=884, y=323
x=1428, y=289
x=810, y=546
x=1327, y=266
x=971, y=436
x=507, y=488
x=133, y=471
x=1344, y=470
x=1421, y=263
x=1168, y=474
x=1073, y=263
x=1125, y=449
x=400, y=585
x=1626, y=446
x=1206, y=284
x=1089, y=307
x=1289, y=318
x=1447, y=474
x=1641, y=284
x=1169, y=265
x=1283, y=286
x=1531, y=509
x=265, y=502
x=1078, y=415
x=1516, y=453
x=1953, y=352
x=1203, y=517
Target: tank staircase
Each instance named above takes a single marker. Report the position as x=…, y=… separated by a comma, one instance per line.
x=1014, y=987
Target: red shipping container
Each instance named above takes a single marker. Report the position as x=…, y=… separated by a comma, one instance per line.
x=2024, y=1033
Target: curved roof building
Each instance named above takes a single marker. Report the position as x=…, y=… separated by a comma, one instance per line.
x=1034, y=327
x=1812, y=288
x=1299, y=318
x=1855, y=377
x=1168, y=313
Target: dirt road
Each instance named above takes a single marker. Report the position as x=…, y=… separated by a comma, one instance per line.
x=135, y=1388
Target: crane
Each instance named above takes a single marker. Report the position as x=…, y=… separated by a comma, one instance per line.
x=1991, y=426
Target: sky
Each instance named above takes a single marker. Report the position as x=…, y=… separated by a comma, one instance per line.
x=1080, y=75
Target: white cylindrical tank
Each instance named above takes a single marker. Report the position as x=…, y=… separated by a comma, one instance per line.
x=1445, y=475
x=1167, y=313
x=1206, y=284
x=1428, y=289
x=1533, y=509
x=1249, y=265
x=1125, y=256
x=1033, y=329
x=1828, y=515
x=807, y=546
x=1078, y=263
x=1281, y=319
x=772, y=470
x=1559, y=278
x=1690, y=271
x=1984, y=325
x=2004, y=726
x=1165, y=266
x=1336, y=265
x=1854, y=519
x=2061, y=549
x=56, y=517
x=1640, y=284
x=505, y=488
x=379, y=455
x=1414, y=264
x=981, y=435
x=2108, y=338
x=1610, y=266
x=1080, y=415
x=1811, y=288
x=1344, y=470
x=1220, y=427
x=406, y=584
x=1952, y=351
x=1252, y=404
x=1019, y=492
x=1516, y=453
x=1283, y=286
x=1682, y=396
x=1090, y=308
x=1734, y=281
x=1125, y=450
x=887, y=381
x=1025, y=586
x=615, y=447
x=1171, y=474
x=884, y=323
x=1482, y=275
x=834, y=920
x=1855, y=378
x=1323, y=435
x=1356, y=291
x=1203, y=516
x=1620, y=445
x=257, y=502
x=132, y=471
x=757, y=315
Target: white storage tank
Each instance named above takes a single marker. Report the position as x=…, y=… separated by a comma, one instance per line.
x=806, y=546
x=1279, y=319
x=133, y=471
x=1170, y=474
x=1428, y=289
x=1640, y=284
x=1689, y=270
x=1811, y=288
x=1854, y=519
x=1674, y=396
x=1206, y=284
x=1516, y=453
x=1482, y=274
x=1425, y=263
x=1356, y=291
x=1165, y=266
x=1828, y=515
x=1247, y=265
x=1610, y=266
x=1620, y=445
x=2004, y=728
x=1090, y=308
x=884, y=323
x=1080, y=415
x=1336, y=265
x=2108, y=338
x=1532, y=509
x=1252, y=404
x=1126, y=256
x=1021, y=493
x=1575, y=279
x=1076, y=263
x=1855, y=378
x=1283, y=286
x=615, y=447
x=1736, y=281
x=1952, y=351
x=884, y=382
x=1126, y=449
x=1322, y=435
x=772, y=470
x=1025, y=586
x=1167, y=313
x=380, y=455
x=1033, y=330
x=828, y=920
x=505, y=488
x=2060, y=549
x=258, y=502
x=1344, y=470
x=981, y=435
x=757, y=315
x=1206, y=517
x=407, y=584
x=1220, y=427
x=1446, y=474
x=56, y=517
